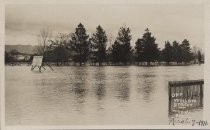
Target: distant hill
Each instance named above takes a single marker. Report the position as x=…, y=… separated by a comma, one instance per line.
x=27, y=49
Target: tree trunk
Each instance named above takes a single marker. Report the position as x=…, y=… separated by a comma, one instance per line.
x=148, y=63
x=80, y=59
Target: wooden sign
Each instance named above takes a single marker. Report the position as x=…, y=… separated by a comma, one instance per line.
x=37, y=61
x=185, y=95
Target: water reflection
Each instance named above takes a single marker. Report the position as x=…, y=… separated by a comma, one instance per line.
x=100, y=91
x=43, y=90
x=79, y=89
x=100, y=83
x=79, y=84
x=146, y=86
x=92, y=95
x=122, y=86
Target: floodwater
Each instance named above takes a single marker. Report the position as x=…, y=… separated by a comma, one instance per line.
x=109, y=95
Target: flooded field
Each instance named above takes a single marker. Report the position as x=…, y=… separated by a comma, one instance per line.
x=109, y=95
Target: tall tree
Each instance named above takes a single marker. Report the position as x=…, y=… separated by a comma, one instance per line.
x=98, y=43
x=199, y=56
x=59, y=48
x=116, y=52
x=186, y=51
x=177, y=52
x=168, y=52
x=121, y=49
x=151, y=50
x=139, y=48
x=80, y=44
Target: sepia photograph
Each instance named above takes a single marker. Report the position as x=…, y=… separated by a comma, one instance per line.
x=105, y=64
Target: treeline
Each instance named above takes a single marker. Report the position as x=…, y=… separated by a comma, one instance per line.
x=80, y=48
x=15, y=56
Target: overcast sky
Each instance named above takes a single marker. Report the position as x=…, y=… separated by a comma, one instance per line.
x=166, y=22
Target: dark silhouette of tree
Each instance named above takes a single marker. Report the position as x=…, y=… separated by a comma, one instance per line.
x=139, y=48
x=202, y=57
x=14, y=52
x=168, y=52
x=8, y=57
x=59, y=48
x=132, y=56
x=121, y=49
x=115, y=52
x=124, y=37
x=177, y=52
x=151, y=50
x=186, y=51
x=80, y=45
x=161, y=57
x=199, y=55
x=98, y=45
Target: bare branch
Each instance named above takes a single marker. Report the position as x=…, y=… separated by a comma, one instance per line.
x=43, y=41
